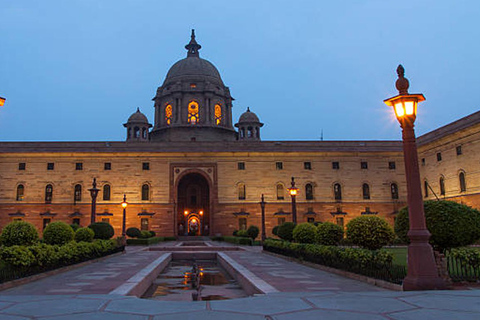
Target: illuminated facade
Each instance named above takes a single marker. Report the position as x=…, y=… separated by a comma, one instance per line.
x=193, y=172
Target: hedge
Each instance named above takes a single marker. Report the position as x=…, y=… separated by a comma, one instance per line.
x=376, y=264
x=148, y=241
x=238, y=240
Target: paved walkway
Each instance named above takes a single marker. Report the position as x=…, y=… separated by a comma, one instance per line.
x=306, y=293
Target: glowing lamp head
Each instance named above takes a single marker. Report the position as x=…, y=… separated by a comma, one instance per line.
x=194, y=220
x=185, y=212
x=201, y=212
x=2, y=101
x=293, y=191
x=124, y=203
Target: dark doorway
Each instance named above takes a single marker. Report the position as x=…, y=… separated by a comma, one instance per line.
x=193, y=206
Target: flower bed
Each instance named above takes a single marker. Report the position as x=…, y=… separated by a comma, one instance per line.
x=376, y=264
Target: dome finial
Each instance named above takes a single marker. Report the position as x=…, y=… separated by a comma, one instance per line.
x=402, y=83
x=193, y=46
x=248, y=109
x=138, y=109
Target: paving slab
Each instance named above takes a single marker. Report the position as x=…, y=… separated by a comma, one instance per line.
x=327, y=314
x=208, y=315
x=152, y=307
x=261, y=305
x=54, y=307
x=431, y=314
x=360, y=303
x=445, y=302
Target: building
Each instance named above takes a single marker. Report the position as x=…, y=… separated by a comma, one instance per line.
x=196, y=172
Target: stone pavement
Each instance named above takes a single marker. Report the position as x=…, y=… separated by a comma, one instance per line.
x=304, y=293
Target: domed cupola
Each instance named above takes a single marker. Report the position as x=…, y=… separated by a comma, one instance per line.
x=249, y=126
x=193, y=104
x=137, y=127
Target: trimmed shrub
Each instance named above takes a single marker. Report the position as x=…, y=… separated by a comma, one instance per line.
x=152, y=233
x=285, y=231
x=242, y=233
x=84, y=234
x=234, y=233
x=239, y=240
x=370, y=232
x=17, y=256
x=58, y=233
x=275, y=230
x=451, y=224
x=253, y=232
x=19, y=233
x=75, y=227
x=328, y=234
x=133, y=232
x=469, y=257
x=102, y=230
x=145, y=234
x=304, y=233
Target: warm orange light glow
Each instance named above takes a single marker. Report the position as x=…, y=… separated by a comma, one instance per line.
x=2, y=101
x=405, y=106
x=399, y=110
x=409, y=110
x=124, y=204
x=168, y=114
x=201, y=213
x=185, y=212
x=193, y=112
x=293, y=191
x=218, y=114
x=194, y=220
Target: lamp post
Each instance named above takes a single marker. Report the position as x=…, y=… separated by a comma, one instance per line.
x=93, y=193
x=422, y=270
x=293, y=192
x=124, y=206
x=262, y=205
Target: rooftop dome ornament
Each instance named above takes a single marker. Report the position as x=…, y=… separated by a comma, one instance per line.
x=193, y=46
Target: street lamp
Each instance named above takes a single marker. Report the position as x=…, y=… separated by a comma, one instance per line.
x=262, y=205
x=93, y=193
x=293, y=192
x=124, y=206
x=422, y=270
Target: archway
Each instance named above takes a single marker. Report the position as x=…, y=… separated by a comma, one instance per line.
x=193, y=205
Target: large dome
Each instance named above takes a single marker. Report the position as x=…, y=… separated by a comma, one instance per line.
x=195, y=68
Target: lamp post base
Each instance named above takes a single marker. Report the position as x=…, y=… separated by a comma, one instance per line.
x=422, y=268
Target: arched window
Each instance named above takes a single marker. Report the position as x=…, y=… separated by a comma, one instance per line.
x=106, y=192
x=77, y=195
x=20, y=192
x=218, y=114
x=48, y=193
x=241, y=191
x=144, y=133
x=309, y=191
x=193, y=112
x=337, y=191
x=136, y=132
x=463, y=184
x=394, y=191
x=145, y=192
x=168, y=114
x=242, y=132
x=250, y=132
x=280, y=192
x=366, y=191
x=425, y=186
x=442, y=186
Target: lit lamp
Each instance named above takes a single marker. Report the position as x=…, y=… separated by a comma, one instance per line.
x=422, y=270
x=2, y=101
x=293, y=193
x=124, y=206
x=93, y=193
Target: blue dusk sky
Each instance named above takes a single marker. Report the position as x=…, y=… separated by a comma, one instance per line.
x=75, y=70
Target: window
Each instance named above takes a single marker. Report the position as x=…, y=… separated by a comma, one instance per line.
x=106, y=192
x=107, y=166
x=364, y=165
x=281, y=221
x=394, y=191
x=136, y=132
x=423, y=161
x=425, y=186
x=307, y=165
x=463, y=184
x=309, y=191
x=106, y=220
x=218, y=114
x=337, y=190
x=442, y=186
x=77, y=195
x=193, y=112
x=439, y=156
x=144, y=224
x=391, y=165
x=46, y=221
x=459, y=150
x=50, y=166
x=241, y=166
x=168, y=114
x=78, y=166
x=48, y=193
x=310, y=220
x=20, y=192
x=366, y=191
x=145, y=192
x=76, y=221
x=279, y=165
x=339, y=221
x=241, y=191
x=21, y=166
x=242, y=223
x=146, y=166
x=280, y=192
x=335, y=165
x=144, y=133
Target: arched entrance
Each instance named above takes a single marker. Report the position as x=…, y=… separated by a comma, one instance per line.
x=193, y=205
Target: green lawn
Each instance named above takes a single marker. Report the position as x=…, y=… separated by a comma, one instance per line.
x=399, y=255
